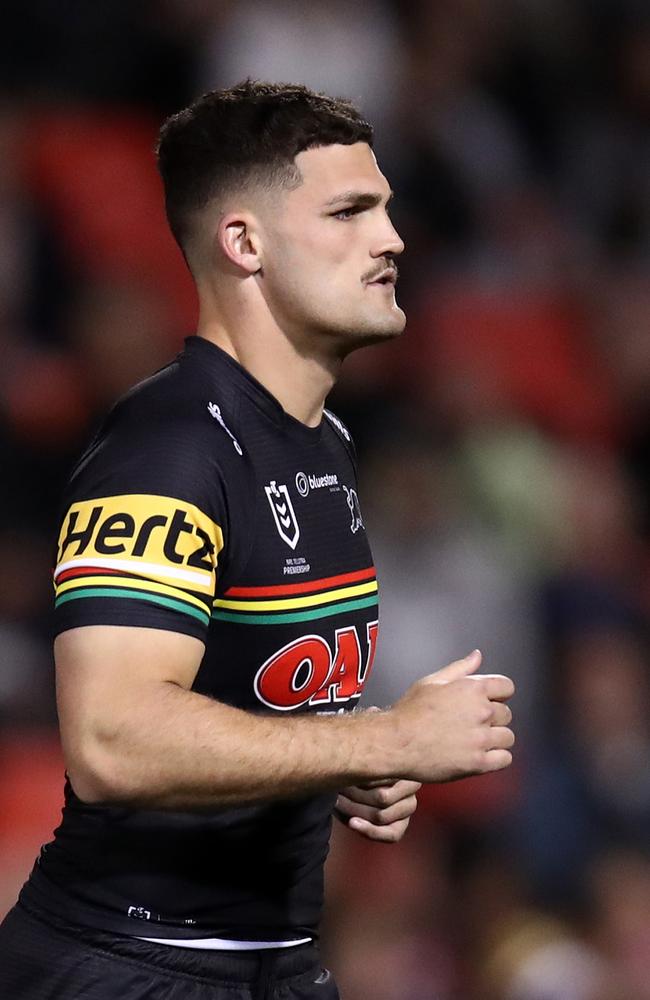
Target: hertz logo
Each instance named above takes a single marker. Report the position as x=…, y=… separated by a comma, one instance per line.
x=141, y=528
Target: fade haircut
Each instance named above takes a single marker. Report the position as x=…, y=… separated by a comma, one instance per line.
x=247, y=134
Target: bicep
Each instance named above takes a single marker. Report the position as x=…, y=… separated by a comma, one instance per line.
x=104, y=672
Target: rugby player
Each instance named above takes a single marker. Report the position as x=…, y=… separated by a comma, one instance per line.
x=216, y=600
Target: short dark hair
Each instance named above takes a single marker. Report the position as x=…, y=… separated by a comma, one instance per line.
x=250, y=132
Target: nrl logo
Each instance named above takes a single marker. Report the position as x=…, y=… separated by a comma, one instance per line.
x=283, y=513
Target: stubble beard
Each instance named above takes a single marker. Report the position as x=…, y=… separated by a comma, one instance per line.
x=369, y=331
x=328, y=330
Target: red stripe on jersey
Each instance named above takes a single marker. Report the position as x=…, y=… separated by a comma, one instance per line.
x=303, y=588
x=89, y=571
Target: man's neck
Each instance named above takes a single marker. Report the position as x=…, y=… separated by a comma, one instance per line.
x=299, y=381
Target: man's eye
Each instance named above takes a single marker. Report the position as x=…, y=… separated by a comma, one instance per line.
x=346, y=213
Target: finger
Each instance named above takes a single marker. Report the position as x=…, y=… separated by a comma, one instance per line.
x=496, y=760
x=379, y=817
x=498, y=687
x=501, y=714
x=377, y=783
x=382, y=795
x=459, y=668
x=501, y=738
x=381, y=834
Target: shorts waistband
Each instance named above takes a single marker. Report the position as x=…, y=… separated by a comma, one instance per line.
x=230, y=966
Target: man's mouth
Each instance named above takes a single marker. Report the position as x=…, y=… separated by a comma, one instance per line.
x=387, y=277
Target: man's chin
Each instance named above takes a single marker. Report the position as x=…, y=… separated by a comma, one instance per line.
x=388, y=328
x=345, y=337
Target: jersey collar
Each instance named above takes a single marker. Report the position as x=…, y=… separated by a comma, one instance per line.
x=225, y=369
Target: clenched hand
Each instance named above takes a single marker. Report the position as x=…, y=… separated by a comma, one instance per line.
x=380, y=811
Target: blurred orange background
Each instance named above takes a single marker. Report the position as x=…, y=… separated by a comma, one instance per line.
x=504, y=441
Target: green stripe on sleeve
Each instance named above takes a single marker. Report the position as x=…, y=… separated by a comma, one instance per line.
x=166, y=602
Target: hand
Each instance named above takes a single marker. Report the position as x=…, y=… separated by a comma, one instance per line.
x=381, y=811
x=453, y=723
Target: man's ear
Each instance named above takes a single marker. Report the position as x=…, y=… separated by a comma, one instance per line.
x=238, y=240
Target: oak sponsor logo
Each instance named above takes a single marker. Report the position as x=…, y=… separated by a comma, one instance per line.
x=307, y=672
x=136, y=530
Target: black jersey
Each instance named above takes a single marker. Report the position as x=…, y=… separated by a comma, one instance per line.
x=201, y=507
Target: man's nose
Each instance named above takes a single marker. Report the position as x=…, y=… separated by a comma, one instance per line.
x=390, y=244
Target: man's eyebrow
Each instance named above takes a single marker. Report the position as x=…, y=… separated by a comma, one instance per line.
x=361, y=199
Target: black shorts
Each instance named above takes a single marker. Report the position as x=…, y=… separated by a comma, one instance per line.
x=41, y=961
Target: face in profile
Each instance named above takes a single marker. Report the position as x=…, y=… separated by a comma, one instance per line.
x=329, y=252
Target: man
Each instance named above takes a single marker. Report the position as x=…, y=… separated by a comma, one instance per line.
x=217, y=602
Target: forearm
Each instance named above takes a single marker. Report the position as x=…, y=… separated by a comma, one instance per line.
x=135, y=733
x=175, y=749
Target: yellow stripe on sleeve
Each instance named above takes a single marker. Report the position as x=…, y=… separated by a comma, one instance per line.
x=299, y=602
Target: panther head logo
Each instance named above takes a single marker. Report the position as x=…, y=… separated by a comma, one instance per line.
x=355, y=509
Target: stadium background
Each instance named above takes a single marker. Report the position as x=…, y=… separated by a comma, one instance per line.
x=505, y=441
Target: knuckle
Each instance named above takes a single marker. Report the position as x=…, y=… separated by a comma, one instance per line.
x=383, y=796
x=472, y=687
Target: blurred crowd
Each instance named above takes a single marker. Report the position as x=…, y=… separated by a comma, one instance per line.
x=504, y=440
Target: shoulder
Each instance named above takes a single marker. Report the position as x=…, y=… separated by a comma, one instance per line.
x=178, y=407
x=167, y=436
x=171, y=416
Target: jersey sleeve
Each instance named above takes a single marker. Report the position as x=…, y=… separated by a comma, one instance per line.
x=143, y=534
